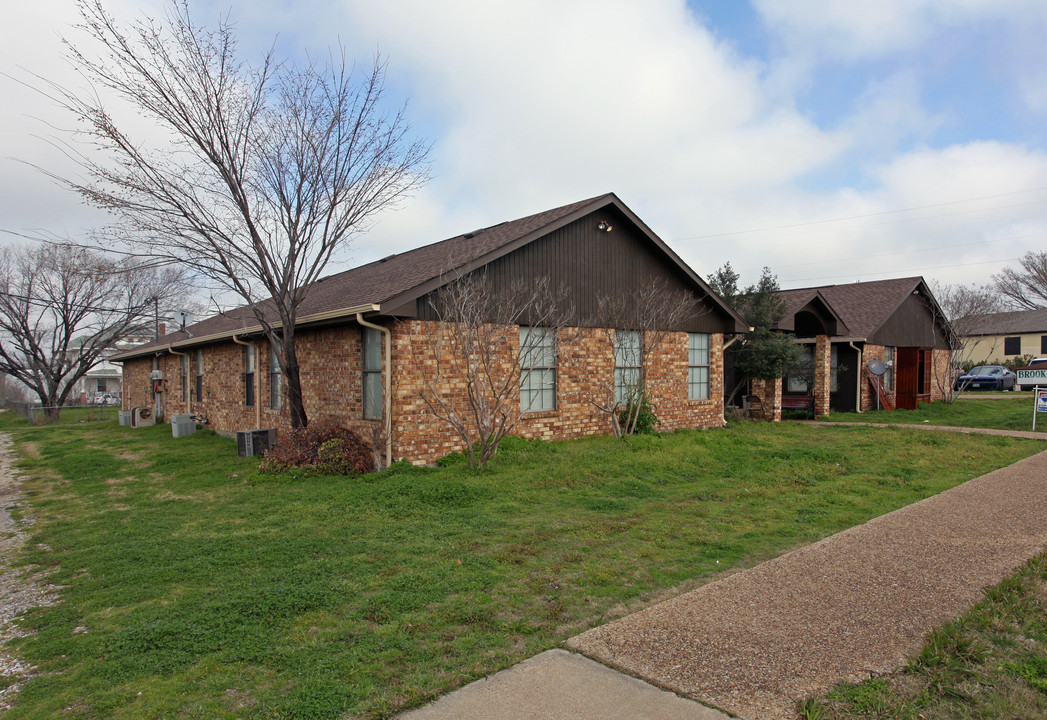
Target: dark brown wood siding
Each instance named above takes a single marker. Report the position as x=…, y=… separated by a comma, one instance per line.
x=911, y=325
x=591, y=263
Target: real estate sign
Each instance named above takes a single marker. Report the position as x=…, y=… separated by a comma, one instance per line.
x=1041, y=404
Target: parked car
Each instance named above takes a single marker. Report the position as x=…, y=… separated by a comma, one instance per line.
x=986, y=377
x=1034, y=375
x=106, y=399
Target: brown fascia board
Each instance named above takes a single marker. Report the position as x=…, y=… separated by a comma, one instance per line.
x=192, y=342
x=598, y=203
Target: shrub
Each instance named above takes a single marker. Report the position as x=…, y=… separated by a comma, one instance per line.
x=644, y=416
x=323, y=448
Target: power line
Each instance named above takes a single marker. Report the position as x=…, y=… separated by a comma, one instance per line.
x=882, y=213
x=898, y=272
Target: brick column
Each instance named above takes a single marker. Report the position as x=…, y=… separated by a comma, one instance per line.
x=822, y=375
x=770, y=393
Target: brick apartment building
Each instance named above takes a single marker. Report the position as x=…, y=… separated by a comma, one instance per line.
x=846, y=327
x=361, y=334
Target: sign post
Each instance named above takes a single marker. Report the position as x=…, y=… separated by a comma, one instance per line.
x=1041, y=403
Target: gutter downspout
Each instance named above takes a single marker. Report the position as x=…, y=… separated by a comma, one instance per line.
x=257, y=389
x=858, y=389
x=189, y=368
x=723, y=410
x=387, y=385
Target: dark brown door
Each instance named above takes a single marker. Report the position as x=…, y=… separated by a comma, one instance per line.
x=906, y=377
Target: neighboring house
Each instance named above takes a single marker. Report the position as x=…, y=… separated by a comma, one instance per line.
x=996, y=337
x=105, y=377
x=845, y=327
x=222, y=368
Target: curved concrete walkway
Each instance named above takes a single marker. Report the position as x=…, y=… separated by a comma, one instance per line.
x=754, y=643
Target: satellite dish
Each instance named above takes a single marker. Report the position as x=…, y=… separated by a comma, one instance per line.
x=876, y=367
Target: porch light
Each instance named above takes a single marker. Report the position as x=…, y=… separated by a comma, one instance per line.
x=604, y=226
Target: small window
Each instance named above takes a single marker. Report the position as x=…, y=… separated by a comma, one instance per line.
x=184, y=376
x=371, y=341
x=199, y=375
x=249, y=370
x=698, y=366
x=888, y=361
x=537, y=369
x=1043, y=344
x=1012, y=346
x=628, y=358
x=275, y=379
x=101, y=385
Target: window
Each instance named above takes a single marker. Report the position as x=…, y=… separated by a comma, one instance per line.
x=1012, y=346
x=275, y=379
x=1043, y=344
x=698, y=366
x=199, y=375
x=888, y=377
x=796, y=378
x=101, y=385
x=249, y=369
x=834, y=370
x=184, y=373
x=627, y=360
x=371, y=341
x=537, y=369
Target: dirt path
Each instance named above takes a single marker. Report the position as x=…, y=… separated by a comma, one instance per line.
x=19, y=590
x=849, y=606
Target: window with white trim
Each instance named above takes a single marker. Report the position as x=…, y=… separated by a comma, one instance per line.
x=184, y=373
x=888, y=361
x=698, y=366
x=275, y=379
x=249, y=370
x=628, y=357
x=199, y=375
x=537, y=369
x=371, y=347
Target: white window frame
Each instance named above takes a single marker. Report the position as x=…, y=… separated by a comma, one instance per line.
x=276, y=375
x=371, y=390
x=250, y=367
x=537, y=369
x=628, y=363
x=698, y=354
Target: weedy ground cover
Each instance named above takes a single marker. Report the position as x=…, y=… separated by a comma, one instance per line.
x=1010, y=412
x=990, y=663
x=194, y=586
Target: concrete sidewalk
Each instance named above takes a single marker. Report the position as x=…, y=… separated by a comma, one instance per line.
x=756, y=642
x=559, y=685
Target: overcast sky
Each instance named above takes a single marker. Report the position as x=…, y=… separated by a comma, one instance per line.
x=833, y=142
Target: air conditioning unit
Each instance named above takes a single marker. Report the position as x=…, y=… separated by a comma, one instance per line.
x=156, y=375
x=142, y=416
x=183, y=424
x=125, y=416
x=254, y=442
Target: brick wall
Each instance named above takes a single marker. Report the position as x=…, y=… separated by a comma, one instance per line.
x=330, y=361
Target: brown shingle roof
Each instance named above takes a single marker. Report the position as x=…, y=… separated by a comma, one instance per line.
x=865, y=306
x=1008, y=323
x=395, y=278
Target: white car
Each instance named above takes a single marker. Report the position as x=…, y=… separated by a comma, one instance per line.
x=106, y=399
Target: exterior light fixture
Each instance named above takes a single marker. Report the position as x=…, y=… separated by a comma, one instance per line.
x=604, y=226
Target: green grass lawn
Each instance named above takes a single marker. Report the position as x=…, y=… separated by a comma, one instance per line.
x=991, y=663
x=194, y=587
x=1011, y=412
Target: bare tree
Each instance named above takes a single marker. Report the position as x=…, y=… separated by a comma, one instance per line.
x=635, y=324
x=482, y=350
x=62, y=308
x=268, y=169
x=1025, y=289
x=963, y=307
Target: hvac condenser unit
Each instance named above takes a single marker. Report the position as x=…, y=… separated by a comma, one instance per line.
x=183, y=424
x=142, y=416
x=254, y=442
